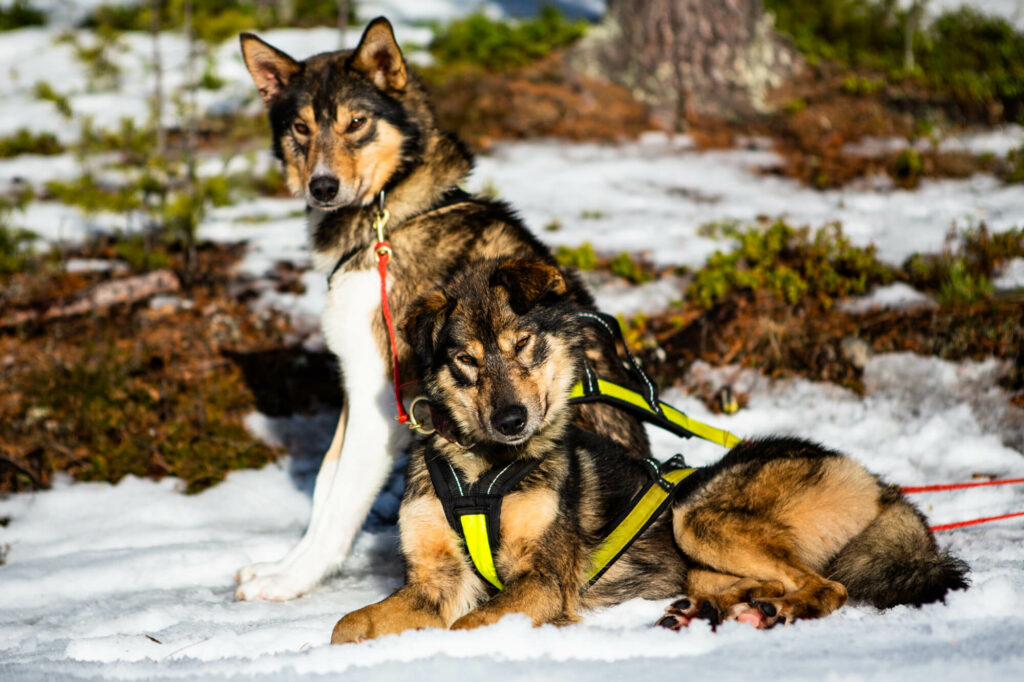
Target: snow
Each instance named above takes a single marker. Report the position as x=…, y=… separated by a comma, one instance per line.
x=1011, y=276
x=96, y=570
x=895, y=296
x=662, y=186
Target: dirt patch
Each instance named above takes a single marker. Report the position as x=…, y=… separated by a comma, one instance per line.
x=544, y=99
x=150, y=389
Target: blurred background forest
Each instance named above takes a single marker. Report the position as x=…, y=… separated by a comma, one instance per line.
x=154, y=286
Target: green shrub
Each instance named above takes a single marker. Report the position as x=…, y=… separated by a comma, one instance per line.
x=20, y=14
x=963, y=271
x=624, y=266
x=45, y=92
x=975, y=59
x=16, y=251
x=581, y=257
x=501, y=45
x=963, y=286
x=1015, y=165
x=24, y=141
x=790, y=263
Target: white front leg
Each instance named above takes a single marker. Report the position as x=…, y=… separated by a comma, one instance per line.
x=360, y=457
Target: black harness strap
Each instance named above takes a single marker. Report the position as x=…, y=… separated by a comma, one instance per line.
x=477, y=505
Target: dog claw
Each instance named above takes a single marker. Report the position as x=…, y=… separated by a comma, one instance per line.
x=681, y=604
x=766, y=608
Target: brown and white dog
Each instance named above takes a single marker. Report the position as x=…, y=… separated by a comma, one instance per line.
x=353, y=128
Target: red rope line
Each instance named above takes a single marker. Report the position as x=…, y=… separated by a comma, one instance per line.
x=975, y=522
x=957, y=486
x=910, y=489
x=383, y=250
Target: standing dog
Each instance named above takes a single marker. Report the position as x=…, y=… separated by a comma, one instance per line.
x=779, y=529
x=357, y=137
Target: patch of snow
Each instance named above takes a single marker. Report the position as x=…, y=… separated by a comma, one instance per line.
x=895, y=296
x=999, y=142
x=1011, y=276
x=659, y=187
x=616, y=295
x=75, y=265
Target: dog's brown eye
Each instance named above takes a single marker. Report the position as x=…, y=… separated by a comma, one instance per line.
x=356, y=124
x=467, y=360
x=521, y=343
x=301, y=128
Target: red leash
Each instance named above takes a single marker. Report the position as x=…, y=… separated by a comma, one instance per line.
x=911, y=489
x=957, y=486
x=382, y=250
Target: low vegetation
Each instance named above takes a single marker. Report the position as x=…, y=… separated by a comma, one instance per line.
x=20, y=14
x=478, y=41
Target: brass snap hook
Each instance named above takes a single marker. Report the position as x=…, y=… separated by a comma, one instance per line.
x=415, y=423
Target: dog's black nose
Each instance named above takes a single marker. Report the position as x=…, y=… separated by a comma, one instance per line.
x=509, y=420
x=323, y=187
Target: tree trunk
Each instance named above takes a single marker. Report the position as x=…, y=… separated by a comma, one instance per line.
x=690, y=58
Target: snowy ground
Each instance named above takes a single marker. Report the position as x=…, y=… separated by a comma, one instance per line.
x=96, y=572
x=133, y=581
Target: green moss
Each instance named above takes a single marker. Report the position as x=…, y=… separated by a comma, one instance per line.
x=906, y=167
x=790, y=263
x=501, y=45
x=581, y=257
x=125, y=416
x=142, y=254
x=624, y=266
x=44, y=91
x=963, y=271
x=24, y=141
x=20, y=14
x=859, y=85
x=962, y=286
x=1015, y=166
x=16, y=251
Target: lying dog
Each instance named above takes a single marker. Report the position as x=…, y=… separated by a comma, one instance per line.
x=779, y=529
x=357, y=138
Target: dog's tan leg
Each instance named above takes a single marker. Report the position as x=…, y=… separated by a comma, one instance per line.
x=407, y=609
x=764, y=551
x=531, y=595
x=440, y=585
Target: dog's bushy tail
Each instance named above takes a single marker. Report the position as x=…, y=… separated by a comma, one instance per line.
x=895, y=560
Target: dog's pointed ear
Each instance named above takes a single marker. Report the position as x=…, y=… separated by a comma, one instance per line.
x=379, y=58
x=423, y=322
x=528, y=282
x=270, y=68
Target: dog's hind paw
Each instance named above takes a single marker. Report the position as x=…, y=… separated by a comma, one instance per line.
x=678, y=615
x=760, y=614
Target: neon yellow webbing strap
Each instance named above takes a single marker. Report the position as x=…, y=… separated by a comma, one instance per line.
x=638, y=518
x=615, y=392
x=474, y=530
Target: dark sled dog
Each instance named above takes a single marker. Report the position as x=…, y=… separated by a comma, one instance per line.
x=779, y=529
x=358, y=141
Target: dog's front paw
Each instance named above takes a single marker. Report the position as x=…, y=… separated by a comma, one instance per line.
x=247, y=573
x=280, y=587
x=476, y=619
x=353, y=628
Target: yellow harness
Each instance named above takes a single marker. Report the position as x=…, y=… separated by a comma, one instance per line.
x=473, y=510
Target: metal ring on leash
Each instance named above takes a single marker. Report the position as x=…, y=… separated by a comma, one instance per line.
x=415, y=423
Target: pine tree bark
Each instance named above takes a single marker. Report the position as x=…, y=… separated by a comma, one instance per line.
x=687, y=59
